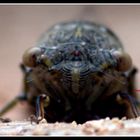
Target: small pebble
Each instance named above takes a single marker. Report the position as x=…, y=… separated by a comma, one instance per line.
x=88, y=131
x=43, y=121
x=101, y=131
x=107, y=118
x=123, y=118
x=74, y=124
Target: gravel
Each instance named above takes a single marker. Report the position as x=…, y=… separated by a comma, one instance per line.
x=103, y=127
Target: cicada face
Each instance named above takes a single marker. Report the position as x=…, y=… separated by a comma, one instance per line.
x=77, y=64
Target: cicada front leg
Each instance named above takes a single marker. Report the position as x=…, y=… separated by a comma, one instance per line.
x=129, y=103
x=41, y=102
x=132, y=95
x=131, y=81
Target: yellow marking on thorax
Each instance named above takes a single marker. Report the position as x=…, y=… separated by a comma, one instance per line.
x=104, y=66
x=48, y=62
x=75, y=80
x=78, y=32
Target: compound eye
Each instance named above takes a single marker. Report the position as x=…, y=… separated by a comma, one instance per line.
x=124, y=61
x=30, y=56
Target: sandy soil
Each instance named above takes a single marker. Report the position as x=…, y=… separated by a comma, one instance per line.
x=21, y=26
x=103, y=127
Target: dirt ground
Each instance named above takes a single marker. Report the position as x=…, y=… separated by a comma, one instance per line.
x=21, y=26
x=103, y=127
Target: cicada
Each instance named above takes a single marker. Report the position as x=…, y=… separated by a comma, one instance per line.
x=79, y=71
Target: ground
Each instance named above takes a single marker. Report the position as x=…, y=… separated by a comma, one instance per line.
x=103, y=127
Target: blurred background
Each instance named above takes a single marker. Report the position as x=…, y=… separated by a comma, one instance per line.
x=22, y=25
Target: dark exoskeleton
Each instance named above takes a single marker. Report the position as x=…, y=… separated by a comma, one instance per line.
x=79, y=71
